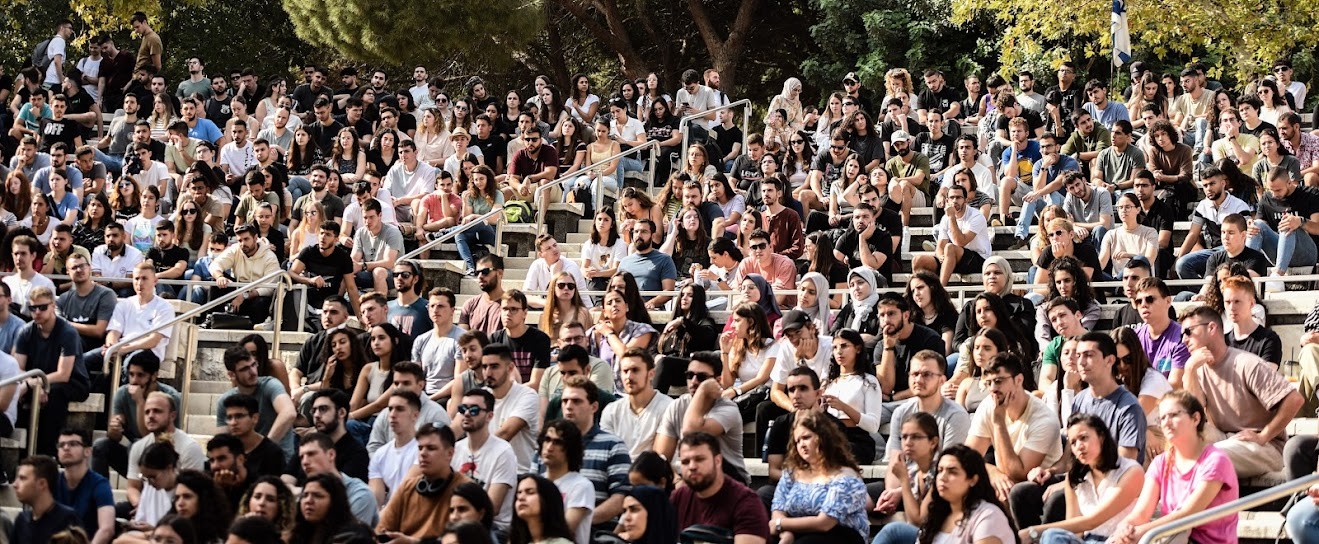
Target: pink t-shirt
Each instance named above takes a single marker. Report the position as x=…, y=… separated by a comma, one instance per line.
x=1175, y=488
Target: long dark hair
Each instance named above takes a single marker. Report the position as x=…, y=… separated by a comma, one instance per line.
x=611, y=237
x=943, y=305
x=337, y=518
x=184, y=527
x=552, y=520
x=822, y=260
x=213, y=514
x=1108, y=452
x=863, y=364
x=1139, y=362
x=355, y=352
x=1081, y=292
x=1018, y=340
x=698, y=313
x=683, y=242
x=1214, y=296
x=473, y=493
x=973, y=464
x=469, y=532
x=636, y=306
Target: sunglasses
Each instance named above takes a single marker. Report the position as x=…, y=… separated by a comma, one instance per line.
x=568, y=286
x=1057, y=234
x=837, y=147
x=404, y=275
x=469, y=410
x=795, y=142
x=758, y=247
x=39, y=307
x=1145, y=300
x=193, y=211
x=698, y=376
x=484, y=271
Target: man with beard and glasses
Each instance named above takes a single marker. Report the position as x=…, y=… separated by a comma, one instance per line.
x=653, y=270
x=711, y=498
x=484, y=457
x=329, y=410
x=483, y=313
x=516, y=417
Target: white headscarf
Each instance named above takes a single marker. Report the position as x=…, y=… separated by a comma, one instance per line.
x=819, y=313
x=861, y=308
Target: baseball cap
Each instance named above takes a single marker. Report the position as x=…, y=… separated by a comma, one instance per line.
x=795, y=319
x=900, y=136
x=851, y=76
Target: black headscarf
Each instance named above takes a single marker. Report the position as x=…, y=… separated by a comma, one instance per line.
x=661, y=519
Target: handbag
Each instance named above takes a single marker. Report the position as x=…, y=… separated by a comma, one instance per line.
x=749, y=400
x=227, y=321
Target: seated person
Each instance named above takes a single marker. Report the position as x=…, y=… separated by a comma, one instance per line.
x=1048, y=175
x=249, y=260
x=860, y=313
x=783, y=224
x=1161, y=335
x=1067, y=278
x=37, y=480
x=1063, y=242
x=902, y=338
x=777, y=269
x=550, y=261
x=391, y=462
x=1243, y=332
x=572, y=360
x=962, y=237
x=928, y=372
x=878, y=252
x=125, y=421
x=1022, y=430
x=276, y=411
x=851, y=392
x=704, y=409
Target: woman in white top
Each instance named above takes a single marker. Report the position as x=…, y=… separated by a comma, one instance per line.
x=279, y=88
x=1275, y=105
x=581, y=104
x=748, y=356
x=1101, y=488
x=432, y=139
x=964, y=509
x=851, y=391
x=898, y=86
x=1149, y=385
x=603, y=251
x=1130, y=239
x=833, y=113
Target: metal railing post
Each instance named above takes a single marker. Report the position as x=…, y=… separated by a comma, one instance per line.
x=1244, y=503
x=542, y=206
x=454, y=234
x=686, y=135
x=35, y=416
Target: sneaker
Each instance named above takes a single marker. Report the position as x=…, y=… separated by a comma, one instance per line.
x=929, y=245
x=1019, y=244
x=996, y=222
x=470, y=272
x=1275, y=286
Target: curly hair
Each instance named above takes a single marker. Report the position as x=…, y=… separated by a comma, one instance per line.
x=287, y=504
x=833, y=449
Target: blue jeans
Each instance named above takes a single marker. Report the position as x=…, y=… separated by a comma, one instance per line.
x=897, y=532
x=1303, y=521
x=629, y=164
x=1030, y=209
x=1063, y=536
x=114, y=165
x=1296, y=248
x=483, y=233
x=1192, y=265
x=953, y=358
x=360, y=429
x=298, y=186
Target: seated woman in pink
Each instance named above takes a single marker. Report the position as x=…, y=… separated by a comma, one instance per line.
x=1191, y=476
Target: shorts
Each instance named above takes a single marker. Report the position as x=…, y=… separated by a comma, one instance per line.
x=365, y=280
x=970, y=263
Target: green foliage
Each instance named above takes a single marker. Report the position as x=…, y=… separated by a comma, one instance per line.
x=399, y=32
x=1245, y=36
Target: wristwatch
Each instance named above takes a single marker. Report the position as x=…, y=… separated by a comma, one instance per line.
x=1034, y=534
x=778, y=526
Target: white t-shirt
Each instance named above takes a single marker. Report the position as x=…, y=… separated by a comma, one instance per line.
x=704, y=99
x=752, y=362
x=1038, y=429
x=352, y=213
x=1090, y=495
x=635, y=430
x=539, y=276
x=154, y=504
x=788, y=359
x=56, y=47
x=132, y=318
x=238, y=159
x=590, y=99
x=578, y=493
x=115, y=267
x=19, y=288
x=494, y=463
x=191, y=454
x=90, y=68
x=391, y=463
x=152, y=174
x=630, y=131
x=437, y=356
x=520, y=402
x=420, y=181
x=612, y=255
x=1156, y=385
x=971, y=221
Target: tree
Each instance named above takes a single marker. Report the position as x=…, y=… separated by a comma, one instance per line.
x=1247, y=36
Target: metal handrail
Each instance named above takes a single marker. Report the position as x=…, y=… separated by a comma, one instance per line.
x=1257, y=499
x=539, y=197
x=283, y=283
x=36, y=404
x=746, y=124
x=499, y=230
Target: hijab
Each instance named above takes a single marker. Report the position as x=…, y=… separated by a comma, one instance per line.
x=1002, y=264
x=861, y=309
x=820, y=312
x=661, y=519
x=767, y=302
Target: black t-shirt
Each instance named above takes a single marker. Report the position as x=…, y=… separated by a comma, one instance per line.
x=324, y=135
x=746, y=171
x=278, y=243
x=44, y=352
x=491, y=148
x=1304, y=201
x=939, y=150
x=350, y=457
x=849, y=244
x=332, y=267
x=726, y=138
x=304, y=98
x=531, y=350
x=218, y=110
x=1252, y=258
x=1159, y=217
x=265, y=459
x=1262, y=342
x=1082, y=251
x=940, y=101
x=65, y=130
x=1127, y=315
x=1033, y=119
x=921, y=338
x=362, y=126
x=869, y=147
x=832, y=171
x=164, y=259
x=1258, y=129
x=661, y=130
x=26, y=529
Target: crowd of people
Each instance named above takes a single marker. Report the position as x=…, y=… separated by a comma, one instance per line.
x=407, y=419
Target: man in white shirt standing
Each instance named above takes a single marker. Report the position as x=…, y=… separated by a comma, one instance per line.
x=695, y=98
x=963, y=239
x=485, y=458
x=408, y=180
x=56, y=56
x=517, y=407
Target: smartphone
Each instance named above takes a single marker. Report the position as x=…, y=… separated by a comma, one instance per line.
x=383, y=538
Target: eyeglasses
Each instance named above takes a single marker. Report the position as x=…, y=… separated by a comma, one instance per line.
x=849, y=103
x=568, y=286
x=69, y=444
x=532, y=138
x=193, y=211
x=39, y=307
x=322, y=408
x=469, y=410
x=698, y=376
x=922, y=375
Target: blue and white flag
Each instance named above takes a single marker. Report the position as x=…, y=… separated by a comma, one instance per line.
x=1121, y=35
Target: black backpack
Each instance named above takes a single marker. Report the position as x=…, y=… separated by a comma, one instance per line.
x=39, y=58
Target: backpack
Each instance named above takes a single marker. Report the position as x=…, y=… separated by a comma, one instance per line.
x=518, y=211
x=39, y=58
